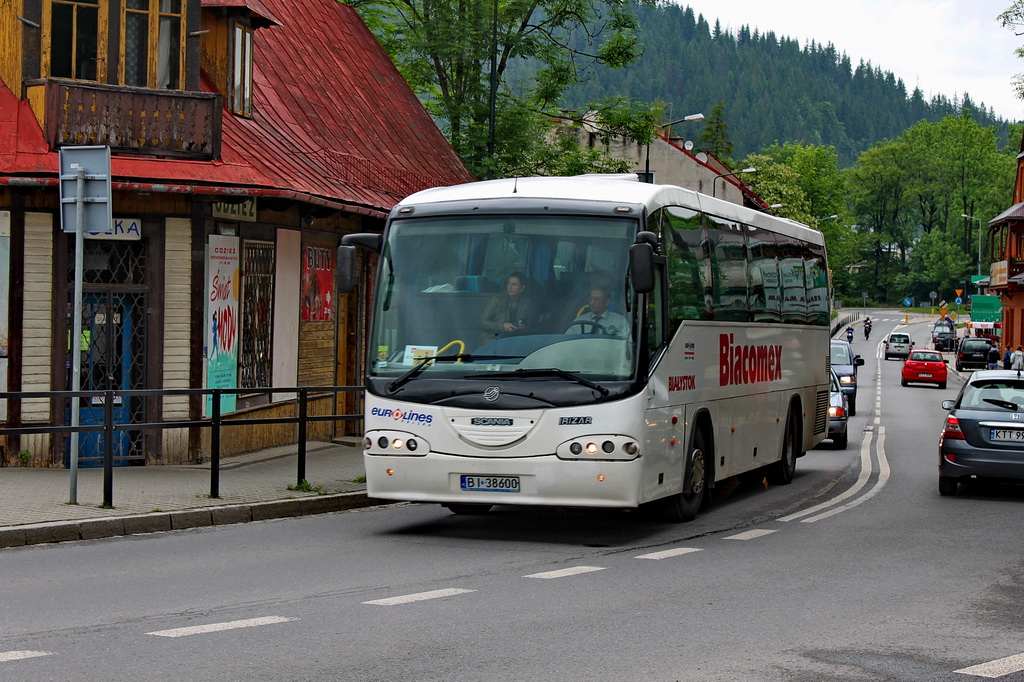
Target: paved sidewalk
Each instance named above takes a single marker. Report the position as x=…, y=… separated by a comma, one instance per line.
x=34, y=504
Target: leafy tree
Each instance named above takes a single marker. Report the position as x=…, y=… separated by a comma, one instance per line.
x=1013, y=18
x=909, y=195
x=444, y=49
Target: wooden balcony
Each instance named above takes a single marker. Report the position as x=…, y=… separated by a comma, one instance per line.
x=143, y=121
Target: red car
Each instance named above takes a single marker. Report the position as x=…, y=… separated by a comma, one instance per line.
x=924, y=367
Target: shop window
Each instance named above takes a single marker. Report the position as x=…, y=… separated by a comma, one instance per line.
x=75, y=44
x=254, y=362
x=153, y=37
x=240, y=96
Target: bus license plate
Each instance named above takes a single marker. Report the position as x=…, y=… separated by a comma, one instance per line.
x=504, y=484
x=1015, y=435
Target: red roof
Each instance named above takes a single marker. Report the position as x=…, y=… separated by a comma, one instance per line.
x=333, y=119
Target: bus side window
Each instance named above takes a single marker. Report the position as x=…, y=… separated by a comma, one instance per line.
x=765, y=289
x=689, y=281
x=656, y=322
x=729, y=274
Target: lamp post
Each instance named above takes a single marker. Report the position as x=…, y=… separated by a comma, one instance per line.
x=647, y=165
x=829, y=217
x=725, y=175
x=964, y=215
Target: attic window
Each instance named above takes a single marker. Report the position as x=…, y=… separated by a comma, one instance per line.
x=241, y=71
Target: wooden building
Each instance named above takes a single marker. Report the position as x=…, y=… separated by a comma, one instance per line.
x=246, y=137
x=1006, y=272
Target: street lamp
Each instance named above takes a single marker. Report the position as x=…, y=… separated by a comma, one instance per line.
x=830, y=217
x=684, y=119
x=725, y=175
x=964, y=215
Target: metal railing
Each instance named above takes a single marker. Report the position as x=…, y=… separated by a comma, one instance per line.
x=215, y=422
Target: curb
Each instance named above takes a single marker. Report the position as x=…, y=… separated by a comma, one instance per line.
x=114, y=526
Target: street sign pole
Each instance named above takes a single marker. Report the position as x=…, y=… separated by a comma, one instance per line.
x=84, y=182
x=76, y=334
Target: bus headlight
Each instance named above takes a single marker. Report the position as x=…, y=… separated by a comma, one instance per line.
x=599, y=448
x=394, y=443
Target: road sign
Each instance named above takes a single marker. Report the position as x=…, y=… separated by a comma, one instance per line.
x=97, y=213
x=959, y=301
x=959, y=292
x=908, y=301
x=943, y=304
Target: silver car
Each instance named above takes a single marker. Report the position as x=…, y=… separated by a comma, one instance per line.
x=838, y=414
x=983, y=436
x=898, y=345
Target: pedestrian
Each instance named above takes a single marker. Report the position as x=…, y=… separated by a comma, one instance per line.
x=1017, y=359
x=1006, y=358
x=993, y=357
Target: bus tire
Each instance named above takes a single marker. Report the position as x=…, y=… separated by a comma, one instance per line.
x=684, y=506
x=468, y=509
x=782, y=471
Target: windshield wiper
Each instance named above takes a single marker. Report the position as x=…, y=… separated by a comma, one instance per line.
x=1002, y=403
x=546, y=372
x=423, y=363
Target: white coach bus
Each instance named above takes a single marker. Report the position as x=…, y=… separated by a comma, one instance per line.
x=590, y=341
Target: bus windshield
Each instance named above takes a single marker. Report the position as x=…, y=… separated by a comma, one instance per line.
x=515, y=297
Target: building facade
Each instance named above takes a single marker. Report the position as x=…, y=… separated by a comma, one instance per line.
x=246, y=137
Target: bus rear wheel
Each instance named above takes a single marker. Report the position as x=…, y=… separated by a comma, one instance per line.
x=684, y=506
x=782, y=471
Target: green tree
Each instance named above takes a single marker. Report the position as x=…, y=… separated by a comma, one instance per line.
x=444, y=49
x=714, y=138
x=920, y=185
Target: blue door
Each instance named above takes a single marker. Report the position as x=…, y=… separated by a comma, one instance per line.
x=107, y=354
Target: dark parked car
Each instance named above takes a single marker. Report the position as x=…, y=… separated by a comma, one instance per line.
x=973, y=354
x=983, y=436
x=944, y=335
x=838, y=417
x=845, y=364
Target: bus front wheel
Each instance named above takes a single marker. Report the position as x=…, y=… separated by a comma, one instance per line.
x=685, y=505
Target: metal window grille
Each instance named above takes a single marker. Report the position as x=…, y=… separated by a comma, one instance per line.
x=257, y=314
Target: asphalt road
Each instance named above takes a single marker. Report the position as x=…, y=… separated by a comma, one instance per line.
x=859, y=570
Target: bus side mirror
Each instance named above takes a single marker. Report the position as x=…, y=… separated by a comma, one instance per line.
x=346, y=269
x=346, y=272
x=641, y=267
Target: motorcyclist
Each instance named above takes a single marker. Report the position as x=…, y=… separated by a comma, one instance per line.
x=867, y=328
x=849, y=334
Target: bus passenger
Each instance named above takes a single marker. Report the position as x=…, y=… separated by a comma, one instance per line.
x=598, y=319
x=510, y=313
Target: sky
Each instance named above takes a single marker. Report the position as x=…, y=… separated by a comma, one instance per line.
x=944, y=47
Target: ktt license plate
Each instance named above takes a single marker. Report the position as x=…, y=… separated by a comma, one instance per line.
x=1015, y=435
x=505, y=484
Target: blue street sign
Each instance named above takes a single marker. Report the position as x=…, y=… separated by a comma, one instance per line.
x=908, y=301
x=959, y=301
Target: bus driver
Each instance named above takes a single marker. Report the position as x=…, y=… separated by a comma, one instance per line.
x=598, y=319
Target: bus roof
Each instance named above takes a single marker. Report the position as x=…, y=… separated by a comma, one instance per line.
x=624, y=188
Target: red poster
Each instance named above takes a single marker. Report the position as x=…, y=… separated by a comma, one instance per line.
x=317, y=282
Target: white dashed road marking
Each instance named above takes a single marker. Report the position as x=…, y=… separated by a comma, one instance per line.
x=219, y=627
x=575, y=570
x=668, y=553
x=750, y=534
x=6, y=656
x=997, y=668
x=419, y=596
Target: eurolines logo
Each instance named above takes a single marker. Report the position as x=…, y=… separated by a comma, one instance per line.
x=403, y=417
